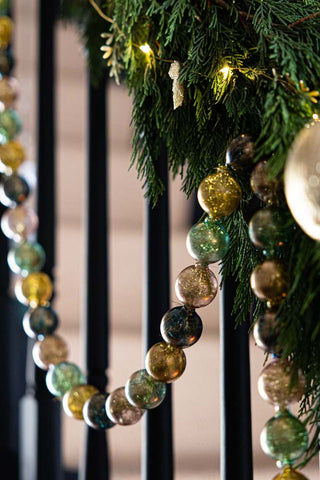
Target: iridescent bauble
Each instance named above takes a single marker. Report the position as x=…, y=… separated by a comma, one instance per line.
x=19, y=222
x=270, y=228
x=35, y=289
x=94, y=412
x=26, y=258
x=63, y=376
x=11, y=156
x=196, y=286
x=284, y=438
x=165, y=362
x=302, y=180
x=40, y=321
x=9, y=88
x=144, y=391
x=6, y=27
x=290, y=474
x=279, y=385
x=4, y=7
x=49, y=351
x=75, y=398
x=181, y=327
x=266, y=331
x=120, y=411
x=208, y=241
x=10, y=122
x=240, y=154
x=269, y=190
x=270, y=281
x=13, y=190
x=219, y=194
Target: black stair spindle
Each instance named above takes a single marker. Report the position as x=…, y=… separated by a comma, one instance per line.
x=157, y=449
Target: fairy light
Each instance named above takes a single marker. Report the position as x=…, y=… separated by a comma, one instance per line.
x=145, y=48
x=226, y=71
x=315, y=117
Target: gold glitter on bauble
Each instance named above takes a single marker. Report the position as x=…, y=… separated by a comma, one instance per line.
x=75, y=398
x=177, y=86
x=196, y=286
x=290, y=474
x=165, y=362
x=270, y=282
x=219, y=194
x=49, y=351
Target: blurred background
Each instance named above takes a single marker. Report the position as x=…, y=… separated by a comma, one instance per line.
x=196, y=394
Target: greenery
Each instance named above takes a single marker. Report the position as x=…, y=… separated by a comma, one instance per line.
x=272, y=49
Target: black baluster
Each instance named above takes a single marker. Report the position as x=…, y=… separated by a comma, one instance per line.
x=157, y=449
x=96, y=459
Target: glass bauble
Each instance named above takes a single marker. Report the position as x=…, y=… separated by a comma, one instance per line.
x=11, y=156
x=14, y=190
x=6, y=61
x=19, y=222
x=4, y=7
x=6, y=27
x=120, y=411
x=26, y=258
x=165, y=362
x=207, y=241
x=284, y=438
x=181, y=327
x=269, y=281
x=40, y=321
x=49, y=351
x=196, y=286
x=10, y=122
x=9, y=88
x=279, y=385
x=219, y=194
x=144, y=391
x=266, y=331
x=63, y=376
x=269, y=190
x=35, y=289
x=302, y=180
x=290, y=474
x=94, y=412
x=240, y=154
x=75, y=398
x=270, y=228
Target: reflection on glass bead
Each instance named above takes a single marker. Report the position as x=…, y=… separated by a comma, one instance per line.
x=269, y=190
x=290, y=474
x=75, y=398
x=13, y=190
x=208, y=241
x=26, y=258
x=63, y=376
x=284, y=438
x=40, y=321
x=11, y=156
x=269, y=228
x=165, y=362
x=266, y=331
x=196, y=286
x=10, y=122
x=278, y=385
x=219, y=194
x=6, y=60
x=144, y=391
x=181, y=327
x=269, y=281
x=120, y=411
x=19, y=222
x=35, y=289
x=6, y=27
x=9, y=88
x=94, y=412
x=240, y=154
x=49, y=351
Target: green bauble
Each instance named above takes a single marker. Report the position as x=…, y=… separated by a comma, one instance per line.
x=10, y=122
x=27, y=257
x=4, y=7
x=144, y=391
x=284, y=438
x=63, y=376
x=208, y=241
x=270, y=228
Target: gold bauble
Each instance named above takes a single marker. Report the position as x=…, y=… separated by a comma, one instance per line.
x=9, y=88
x=290, y=474
x=219, y=194
x=49, y=351
x=196, y=286
x=75, y=398
x=6, y=27
x=11, y=155
x=35, y=289
x=270, y=282
x=165, y=362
